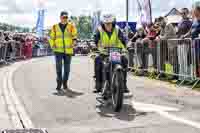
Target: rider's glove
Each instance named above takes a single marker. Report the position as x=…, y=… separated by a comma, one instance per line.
x=124, y=50
x=102, y=51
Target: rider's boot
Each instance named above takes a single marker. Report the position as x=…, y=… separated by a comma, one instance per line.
x=126, y=90
x=98, y=87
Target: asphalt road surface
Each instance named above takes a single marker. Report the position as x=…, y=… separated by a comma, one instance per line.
x=152, y=109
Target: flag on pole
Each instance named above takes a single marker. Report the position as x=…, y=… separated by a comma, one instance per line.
x=96, y=20
x=144, y=12
x=40, y=23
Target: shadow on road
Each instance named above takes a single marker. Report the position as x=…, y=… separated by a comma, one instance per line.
x=128, y=96
x=61, y=93
x=68, y=93
x=128, y=113
x=72, y=94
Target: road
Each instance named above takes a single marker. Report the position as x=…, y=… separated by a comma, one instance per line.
x=152, y=109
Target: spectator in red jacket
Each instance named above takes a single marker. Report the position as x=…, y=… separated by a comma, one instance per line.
x=151, y=36
x=149, y=44
x=28, y=47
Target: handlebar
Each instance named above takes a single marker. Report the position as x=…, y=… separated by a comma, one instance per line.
x=108, y=50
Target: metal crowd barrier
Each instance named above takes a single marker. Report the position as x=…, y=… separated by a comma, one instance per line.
x=38, y=52
x=12, y=51
x=19, y=50
x=144, y=57
x=176, y=58
x=49, y=52
x=196, y=59
x=3, y=51
x=24, y=131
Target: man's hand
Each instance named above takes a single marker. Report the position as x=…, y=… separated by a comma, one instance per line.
x=161, y=37
x=183, y=37
x=74, y=42
x=158, y=37
x=124, y=50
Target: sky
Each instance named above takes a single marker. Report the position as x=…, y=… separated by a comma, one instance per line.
x=24, y=12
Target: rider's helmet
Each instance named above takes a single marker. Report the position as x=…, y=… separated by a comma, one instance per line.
x=108, y=18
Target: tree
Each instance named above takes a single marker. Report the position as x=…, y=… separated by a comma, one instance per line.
x=84, y=26
x=13, y=28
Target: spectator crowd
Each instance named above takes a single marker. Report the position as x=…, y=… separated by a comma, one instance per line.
x=20, y=46
x=167, y=46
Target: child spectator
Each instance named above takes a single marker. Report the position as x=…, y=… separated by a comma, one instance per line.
x=151, y=32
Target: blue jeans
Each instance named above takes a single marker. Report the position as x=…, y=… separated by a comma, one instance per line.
x=60, y=57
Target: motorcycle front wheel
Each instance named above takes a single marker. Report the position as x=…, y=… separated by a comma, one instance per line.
x=117, y=90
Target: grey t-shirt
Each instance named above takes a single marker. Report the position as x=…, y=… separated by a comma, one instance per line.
x=168, y=32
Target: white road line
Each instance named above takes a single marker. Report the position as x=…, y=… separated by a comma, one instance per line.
x=164, y=112
x=152, y=107
x=179, y=119
x=16, y=111
x=19, y=107
x=10, y=106
x=15, y=108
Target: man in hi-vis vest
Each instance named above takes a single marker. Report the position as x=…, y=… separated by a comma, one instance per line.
x=108, y=34
x=62, y=39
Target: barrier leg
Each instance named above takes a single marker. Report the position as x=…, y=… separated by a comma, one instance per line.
x=136, y=71
x=195, y=84
x=3, y=50
x=158, y=76
x=181, y=82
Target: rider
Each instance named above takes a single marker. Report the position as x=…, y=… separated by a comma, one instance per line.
x=108, y=34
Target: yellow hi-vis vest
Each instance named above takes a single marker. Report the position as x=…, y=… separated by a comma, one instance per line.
x=113, y=41
x=63, y=42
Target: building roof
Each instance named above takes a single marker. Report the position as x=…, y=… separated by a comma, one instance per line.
x=174, y=19
x=173, y=12
x=173, y=16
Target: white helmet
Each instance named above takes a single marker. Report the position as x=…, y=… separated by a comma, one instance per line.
x=108, y=18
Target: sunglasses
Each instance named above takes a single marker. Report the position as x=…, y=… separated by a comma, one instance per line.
x=64, y=17
x=108, y=23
